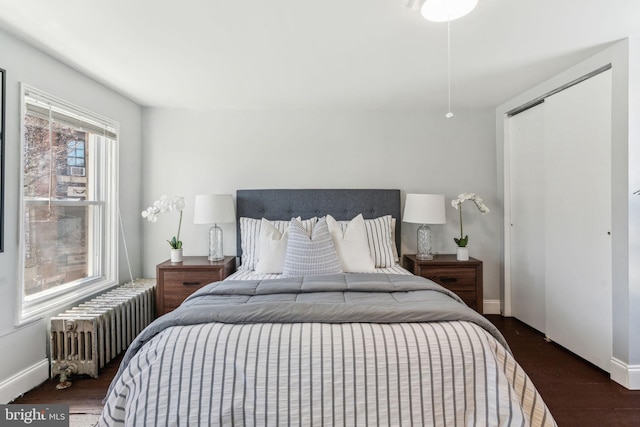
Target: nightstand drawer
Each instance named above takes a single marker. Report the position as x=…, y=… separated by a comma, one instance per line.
x=469, y=298
x=464, y=278
x=178, y=285
x=454, y=279
x=190, y=279
x=173, y=300
x=176, y=281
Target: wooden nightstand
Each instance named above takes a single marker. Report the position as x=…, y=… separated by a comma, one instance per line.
x=462, y=277
x=176, y=281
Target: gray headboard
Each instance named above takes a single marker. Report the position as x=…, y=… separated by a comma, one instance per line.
x=341, y=204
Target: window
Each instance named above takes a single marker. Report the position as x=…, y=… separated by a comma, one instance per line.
x=69, y=204
x=75, y=158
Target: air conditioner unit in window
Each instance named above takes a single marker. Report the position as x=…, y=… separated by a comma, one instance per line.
x=75, y=171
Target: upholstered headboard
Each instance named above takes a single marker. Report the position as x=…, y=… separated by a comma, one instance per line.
x=341, y=204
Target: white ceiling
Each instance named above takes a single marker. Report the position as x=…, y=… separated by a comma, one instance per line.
x=280, y=54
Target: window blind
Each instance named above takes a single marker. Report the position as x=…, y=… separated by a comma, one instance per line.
x=40, y=105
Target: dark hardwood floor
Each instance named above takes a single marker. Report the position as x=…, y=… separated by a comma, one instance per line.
x=84, y=397
x=577, y=393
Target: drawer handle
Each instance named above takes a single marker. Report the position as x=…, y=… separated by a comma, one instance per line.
x=448, y=279
x=190, y=283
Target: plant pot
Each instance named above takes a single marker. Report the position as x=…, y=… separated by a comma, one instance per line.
x=176, y=255
x=462, y=254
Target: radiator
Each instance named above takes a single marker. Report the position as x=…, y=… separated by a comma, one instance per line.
x=88, y=336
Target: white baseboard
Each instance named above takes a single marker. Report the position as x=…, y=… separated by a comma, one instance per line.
x=626, y=375
x=491, y=306
x=24, y=381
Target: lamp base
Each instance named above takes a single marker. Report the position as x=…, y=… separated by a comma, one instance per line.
x=215, y=244
x=424, y=243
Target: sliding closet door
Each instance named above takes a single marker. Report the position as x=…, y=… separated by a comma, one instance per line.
x=560, y=202
x=526, y=134
x=578, y=219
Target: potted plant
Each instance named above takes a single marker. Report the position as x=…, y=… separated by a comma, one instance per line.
x=168, y=204
x=462, y=250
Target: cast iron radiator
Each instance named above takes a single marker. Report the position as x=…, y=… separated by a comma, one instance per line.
x=88, y=336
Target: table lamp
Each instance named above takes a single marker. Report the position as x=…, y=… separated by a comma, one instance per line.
x=214, y=209
x=424, y=209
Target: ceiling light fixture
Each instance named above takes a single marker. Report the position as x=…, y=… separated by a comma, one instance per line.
x=447, y=11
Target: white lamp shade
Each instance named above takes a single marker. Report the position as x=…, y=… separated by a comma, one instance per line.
x=446, y=10
x=424, y=209
x=213, y=209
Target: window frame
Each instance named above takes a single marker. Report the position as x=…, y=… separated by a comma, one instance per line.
x=103, y=237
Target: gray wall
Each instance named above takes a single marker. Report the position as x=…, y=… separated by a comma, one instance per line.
x=188, y=152
x=24, y=347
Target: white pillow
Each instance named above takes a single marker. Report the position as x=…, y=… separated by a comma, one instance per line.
x=272, y=247
x=351, y=244
x=250, y=238
x=310, y=253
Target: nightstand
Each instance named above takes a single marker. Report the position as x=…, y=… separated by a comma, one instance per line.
x=464, y=278
x=176, y=281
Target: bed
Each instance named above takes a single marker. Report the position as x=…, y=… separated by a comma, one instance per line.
x=295, y=337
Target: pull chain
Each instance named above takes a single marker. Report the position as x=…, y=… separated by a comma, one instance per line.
x=449, y=113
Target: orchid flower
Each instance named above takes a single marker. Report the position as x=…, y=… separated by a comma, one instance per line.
x=166, y=204
x=457, y=203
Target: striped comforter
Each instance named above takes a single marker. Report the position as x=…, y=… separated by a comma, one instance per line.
x=199, y=367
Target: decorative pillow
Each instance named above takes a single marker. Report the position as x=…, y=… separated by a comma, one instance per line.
x=396, y=256
x=250, y=238
x=380, y=243
x=249, y=234
x=272, y=247
x=352, y=245
x=310, y=253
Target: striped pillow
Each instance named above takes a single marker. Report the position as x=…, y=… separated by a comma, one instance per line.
x=250, y=238
x=310, y=253
x=380, y=243
x=381, y=238
x=396, y=256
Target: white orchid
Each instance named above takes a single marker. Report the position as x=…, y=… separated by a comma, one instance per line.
x=457, y=203
x=166, y=204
